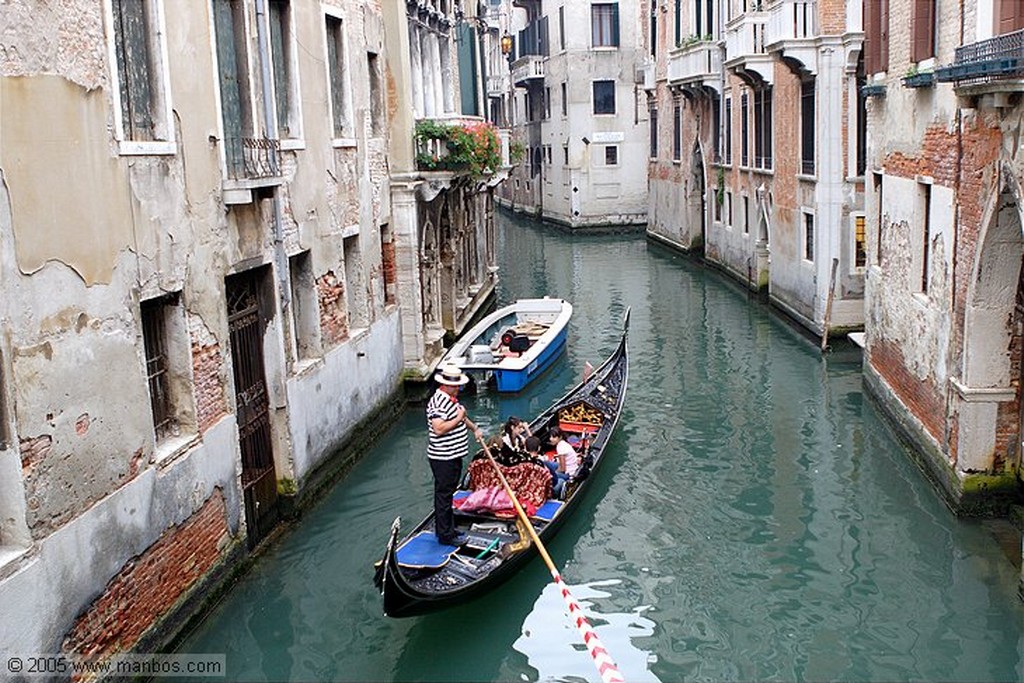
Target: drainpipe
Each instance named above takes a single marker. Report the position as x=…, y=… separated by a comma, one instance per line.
x=270, y=121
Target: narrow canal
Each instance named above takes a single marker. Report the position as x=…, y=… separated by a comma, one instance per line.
x=754, y=520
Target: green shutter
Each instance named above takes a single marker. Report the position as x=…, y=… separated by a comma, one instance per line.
x=467, y=70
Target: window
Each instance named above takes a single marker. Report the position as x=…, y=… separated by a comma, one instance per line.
x=565, y=99
x=744, y=131
x=703, y=18
x=565, y=155
x=922, y=30
x=679, y=23
x=235, y=93
x=167, y=371
x=763, y=127
x=716, y=129
x=305, y=312
x=876, y=35
x=337, y=73
x=286, y=92
x=746, y=215
x=677, y=131
x=860, y=249
x=389, y=269
x=561, y=27
x=604, y=97
x=925, y=203
x=807, y=127
x=728, y=209
x=809, y=236
x=878, y=225
x=654, y=131
x=547, y=155
x=377, y=122
x=719, y=198
x=604, y=24
x=141, y=91
x=611, y=155
x=862, y=118
x=728, y=130
x=1010, y=17
x=547, y=103
x=654, y=29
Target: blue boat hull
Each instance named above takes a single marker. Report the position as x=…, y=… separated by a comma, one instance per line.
x=511, y=381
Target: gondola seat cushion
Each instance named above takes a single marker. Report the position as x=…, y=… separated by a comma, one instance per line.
x=424, y=551
x=530, y=481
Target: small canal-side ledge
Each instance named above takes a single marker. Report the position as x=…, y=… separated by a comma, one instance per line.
x=625, y=224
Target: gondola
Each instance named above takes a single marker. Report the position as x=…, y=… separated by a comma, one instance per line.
x=417, y=575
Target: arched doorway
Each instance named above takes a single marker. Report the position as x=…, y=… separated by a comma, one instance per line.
x=696, y=202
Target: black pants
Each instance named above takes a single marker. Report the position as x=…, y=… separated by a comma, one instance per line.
x=446, y=480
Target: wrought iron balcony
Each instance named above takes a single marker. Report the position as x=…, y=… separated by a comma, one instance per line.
x=997, y=61
x=252, y=158
x=698, y=63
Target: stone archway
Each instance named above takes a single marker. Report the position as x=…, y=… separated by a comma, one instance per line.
x=986, y=400
x=696, y=201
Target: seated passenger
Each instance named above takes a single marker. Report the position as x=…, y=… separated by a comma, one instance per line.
x=566, y=456
x=513, y=442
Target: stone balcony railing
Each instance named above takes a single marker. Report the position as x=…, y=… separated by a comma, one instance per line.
x=699, y=63
x=996, y=64
x=528, y=68
x=746, y=44
x=497, y=85
x=793, y=31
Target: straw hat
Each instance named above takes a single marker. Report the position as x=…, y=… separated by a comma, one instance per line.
x=452, y=375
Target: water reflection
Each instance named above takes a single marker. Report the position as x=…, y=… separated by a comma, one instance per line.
x=553, y=646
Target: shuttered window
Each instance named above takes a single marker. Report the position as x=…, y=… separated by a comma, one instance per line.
x=1010, y=17
x=677, y=132
x=336, y=72
x=604, y=24
x=922, y=30
x=280, y=36
x=744, y=131
x=727, y=133
x=763, y=127
x=654, y=132
x=134, y=70
x=876, y=35
x=807, y=127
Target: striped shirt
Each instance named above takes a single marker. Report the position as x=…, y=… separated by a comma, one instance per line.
x=453, y=444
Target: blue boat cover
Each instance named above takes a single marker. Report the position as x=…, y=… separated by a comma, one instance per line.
x=423, y=551
x=548, y=510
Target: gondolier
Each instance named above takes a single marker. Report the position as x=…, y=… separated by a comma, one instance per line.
x=448, y=443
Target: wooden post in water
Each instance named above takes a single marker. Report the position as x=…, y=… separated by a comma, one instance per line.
x=828, y=305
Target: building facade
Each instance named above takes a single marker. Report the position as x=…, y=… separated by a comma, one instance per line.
x=575, y=114
x=212, y=231
x=757, y=146
x=944, y=286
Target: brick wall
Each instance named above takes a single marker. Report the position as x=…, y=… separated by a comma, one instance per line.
x=207, y=365
x=832, y=17
x=150, y=584
x=333, y=318
x=921, y=397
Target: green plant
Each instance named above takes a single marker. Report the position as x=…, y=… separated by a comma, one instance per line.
x=720, y=191
x=470, y=147
x=911, y=71
x=287, y=487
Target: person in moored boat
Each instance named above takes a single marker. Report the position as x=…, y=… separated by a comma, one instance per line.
x=566, y=456
x=513, y=442
x=448, y=443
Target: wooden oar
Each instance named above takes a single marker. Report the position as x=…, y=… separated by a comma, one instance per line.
x=602, y=660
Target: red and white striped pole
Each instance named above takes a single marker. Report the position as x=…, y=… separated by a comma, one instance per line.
x=602, y=660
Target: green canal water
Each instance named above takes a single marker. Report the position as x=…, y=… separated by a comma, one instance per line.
x=754, y=519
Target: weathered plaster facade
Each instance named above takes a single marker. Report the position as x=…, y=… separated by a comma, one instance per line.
x=754, y=160
x=577, y=115
x=204, y=280
x=944, y=313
